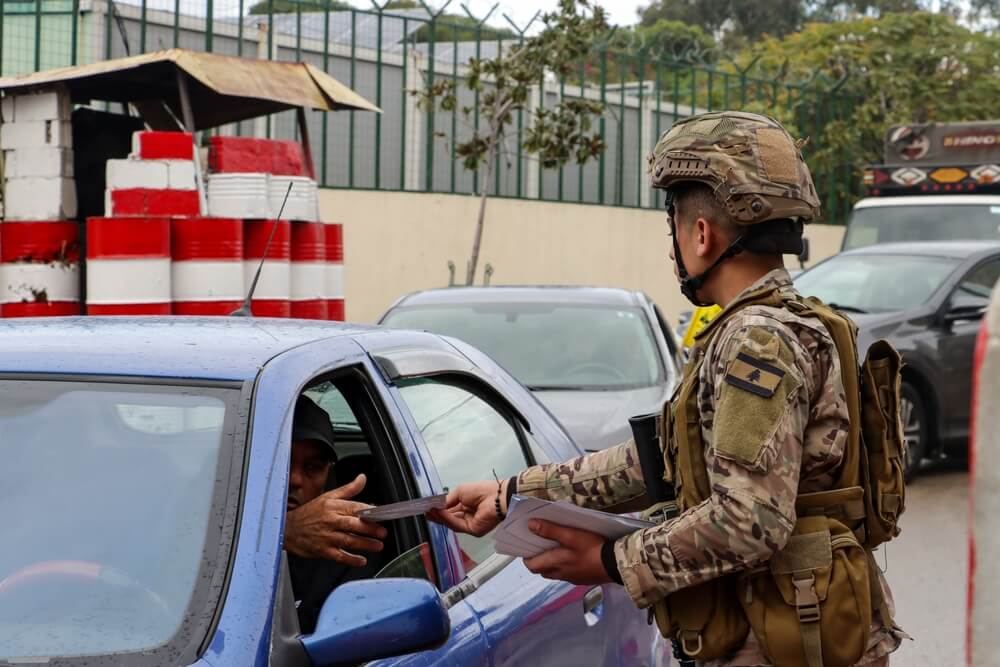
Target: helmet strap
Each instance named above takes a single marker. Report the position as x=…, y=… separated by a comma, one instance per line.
x=691, y=284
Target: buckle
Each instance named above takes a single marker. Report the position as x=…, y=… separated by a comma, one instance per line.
x=685, y=637
x=806, y=602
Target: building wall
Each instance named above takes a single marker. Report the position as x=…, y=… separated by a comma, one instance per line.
x=399, y=242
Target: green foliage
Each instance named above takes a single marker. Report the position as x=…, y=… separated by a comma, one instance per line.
x=292, y=6
x=555, y=134
x=450, y=28
x=739, y=20
x=902, y=68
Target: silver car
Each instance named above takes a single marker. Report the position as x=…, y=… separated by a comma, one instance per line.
x=595, y=356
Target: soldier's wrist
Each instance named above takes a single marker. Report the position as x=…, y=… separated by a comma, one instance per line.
x=610, y=562
x=509, y=491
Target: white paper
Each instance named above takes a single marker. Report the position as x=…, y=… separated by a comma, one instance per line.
x=514, y=538
x=403, y=509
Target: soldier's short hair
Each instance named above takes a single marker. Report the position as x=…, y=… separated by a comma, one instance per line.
x=696, y=200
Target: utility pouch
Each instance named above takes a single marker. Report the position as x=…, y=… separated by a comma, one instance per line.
x=810, y=605
x=705, y=620
x=882, y=432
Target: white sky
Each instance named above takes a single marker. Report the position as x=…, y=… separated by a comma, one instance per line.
x=620, y=12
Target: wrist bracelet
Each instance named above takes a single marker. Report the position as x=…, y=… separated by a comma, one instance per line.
x=500, y=515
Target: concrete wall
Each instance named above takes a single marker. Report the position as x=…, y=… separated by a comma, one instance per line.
x=399, y=242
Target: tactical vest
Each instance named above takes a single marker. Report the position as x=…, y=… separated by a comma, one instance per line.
x=812, y=602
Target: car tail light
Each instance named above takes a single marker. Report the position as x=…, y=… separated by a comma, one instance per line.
x=977, y=362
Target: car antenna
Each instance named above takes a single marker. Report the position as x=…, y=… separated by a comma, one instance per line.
x=244, y=310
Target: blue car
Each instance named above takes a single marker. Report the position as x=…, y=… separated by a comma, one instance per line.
x=143, y=480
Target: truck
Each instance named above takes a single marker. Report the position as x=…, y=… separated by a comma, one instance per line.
x=940, y=181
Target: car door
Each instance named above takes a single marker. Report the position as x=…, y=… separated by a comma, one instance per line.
x=470, y=435
x=958, y=341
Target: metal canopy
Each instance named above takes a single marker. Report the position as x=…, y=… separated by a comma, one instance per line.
x=222, y=89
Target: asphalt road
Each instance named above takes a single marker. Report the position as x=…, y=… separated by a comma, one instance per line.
x=927, y=566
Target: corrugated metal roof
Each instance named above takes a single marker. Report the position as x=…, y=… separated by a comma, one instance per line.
x=225, y=89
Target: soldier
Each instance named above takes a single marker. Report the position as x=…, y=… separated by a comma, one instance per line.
x=769, y=560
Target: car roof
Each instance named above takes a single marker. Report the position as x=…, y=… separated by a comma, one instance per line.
x=611, y=296
x=953, y=249
x=220, y=348
x=924, y=200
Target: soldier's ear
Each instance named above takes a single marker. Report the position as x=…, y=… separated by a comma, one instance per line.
x=706, y=236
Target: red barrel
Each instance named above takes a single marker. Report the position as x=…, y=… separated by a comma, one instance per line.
x=207, y=269
x=308, y=270
x=271, y=298
x=334, y=279
x=39, y=269
x=128, y=266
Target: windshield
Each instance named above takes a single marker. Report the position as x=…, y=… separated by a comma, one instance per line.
x=110, y=496
x=876, y=282
x=923, y=222
x=550, y=346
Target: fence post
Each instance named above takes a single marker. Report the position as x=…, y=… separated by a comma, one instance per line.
x=414, y=124
x=531, y=190
x=260, y=123
x=646, y=140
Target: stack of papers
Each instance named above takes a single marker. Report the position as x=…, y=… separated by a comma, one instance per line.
x=514, y=538
x=404, y=509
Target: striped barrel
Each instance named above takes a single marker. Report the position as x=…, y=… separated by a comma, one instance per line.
x=128, y=266
x=271, y=298
x=207, y=269
x=334, y=279
x=308, y=270
x=39, y=269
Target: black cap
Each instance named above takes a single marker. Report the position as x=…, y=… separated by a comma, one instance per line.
x=311, y=422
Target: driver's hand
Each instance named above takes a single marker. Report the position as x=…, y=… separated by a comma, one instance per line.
x=471, y=508
x=327, y=527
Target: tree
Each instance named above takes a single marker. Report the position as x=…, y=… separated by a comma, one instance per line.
x=900, y=68
x=557, y=134
x=292, y=6
x=738, y=20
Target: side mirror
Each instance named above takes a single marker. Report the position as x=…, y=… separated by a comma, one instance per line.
x=804, y=255
x=964, y=313
x=377, y=618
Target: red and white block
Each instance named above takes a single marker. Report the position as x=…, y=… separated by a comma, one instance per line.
x=334, y=273
x=162, y=146
x=140, y=187
x=272, y=297
x=231, y=155
x=308, y=284
x=128, y=266
x=207, y=268
x=39, y=269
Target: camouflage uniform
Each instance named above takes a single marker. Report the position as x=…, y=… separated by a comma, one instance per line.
x=751, y=512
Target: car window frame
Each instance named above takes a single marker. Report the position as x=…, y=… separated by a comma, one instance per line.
x=495, y=563
x=229, y=491
x=948, y=302
x=372, y=414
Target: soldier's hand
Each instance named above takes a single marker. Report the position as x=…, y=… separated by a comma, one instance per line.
x=577, y=560
x=471, y=508
x=327, y=527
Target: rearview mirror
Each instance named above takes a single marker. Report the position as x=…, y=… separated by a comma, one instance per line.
x=962, y=313
x=377, y=618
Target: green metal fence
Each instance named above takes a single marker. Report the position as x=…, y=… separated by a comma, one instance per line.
x=386, y=54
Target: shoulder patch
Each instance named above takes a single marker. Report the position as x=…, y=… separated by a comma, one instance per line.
x=754, y=375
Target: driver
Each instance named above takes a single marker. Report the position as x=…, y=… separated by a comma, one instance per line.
x=322, y=532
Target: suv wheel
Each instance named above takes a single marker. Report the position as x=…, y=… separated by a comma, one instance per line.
x=915, y=431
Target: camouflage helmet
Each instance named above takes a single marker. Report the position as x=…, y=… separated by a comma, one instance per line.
x=753, y=166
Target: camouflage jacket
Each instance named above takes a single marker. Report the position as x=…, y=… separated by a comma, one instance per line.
x=751, y=512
